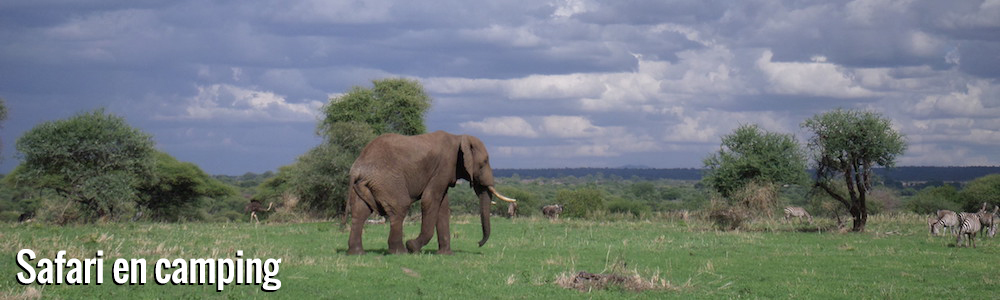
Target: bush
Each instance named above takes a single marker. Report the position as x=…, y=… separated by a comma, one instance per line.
x=526, y=203
x=625, y=206
x=931, y=199
x=580, y=203
x=757, y=197
x=727, y=217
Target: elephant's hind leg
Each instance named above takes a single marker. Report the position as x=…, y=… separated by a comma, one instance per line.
x=359, y=213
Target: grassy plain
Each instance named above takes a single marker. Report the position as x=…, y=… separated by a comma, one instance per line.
x=895, y=259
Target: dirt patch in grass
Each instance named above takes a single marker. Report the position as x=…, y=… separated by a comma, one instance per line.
x=585, y=281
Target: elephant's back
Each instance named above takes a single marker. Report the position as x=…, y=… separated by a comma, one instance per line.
x=388, y=151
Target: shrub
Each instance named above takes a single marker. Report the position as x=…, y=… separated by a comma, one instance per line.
x=580, y=203
x=625, y=206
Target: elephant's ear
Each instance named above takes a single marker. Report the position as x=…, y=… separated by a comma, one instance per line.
x=468, y=157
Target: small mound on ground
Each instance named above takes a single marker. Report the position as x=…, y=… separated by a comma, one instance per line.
x=584, y=281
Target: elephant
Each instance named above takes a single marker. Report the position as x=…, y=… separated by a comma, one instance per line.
x=393, y=171
x=552, y=211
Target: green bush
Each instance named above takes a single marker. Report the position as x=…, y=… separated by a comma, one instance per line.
x=625, y=206
x=931, y=199
x=580, y=203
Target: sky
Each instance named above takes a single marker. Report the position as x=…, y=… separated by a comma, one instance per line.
x=236, y=86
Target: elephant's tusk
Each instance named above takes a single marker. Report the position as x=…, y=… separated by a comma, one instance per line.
x=502, y=197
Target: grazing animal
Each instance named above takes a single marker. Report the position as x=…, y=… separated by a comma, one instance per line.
x=394, y=171
x=945, y=218
x=798, y=212
x=986, y=221
x=511, y=209
x=932, y=222
x=552, y=211
x=255, y=207
x=968, y=225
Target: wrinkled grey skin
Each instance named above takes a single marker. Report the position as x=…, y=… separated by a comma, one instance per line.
x=394, y=170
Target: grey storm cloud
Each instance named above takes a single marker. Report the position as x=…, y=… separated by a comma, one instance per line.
x=236, y=86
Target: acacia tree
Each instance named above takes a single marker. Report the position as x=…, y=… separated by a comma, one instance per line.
x=751, y=154
x=93, y=159
x=846, y=145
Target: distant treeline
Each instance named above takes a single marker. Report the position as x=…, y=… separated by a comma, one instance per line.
x=900, y=174
x=945, y=174
x=647, y=174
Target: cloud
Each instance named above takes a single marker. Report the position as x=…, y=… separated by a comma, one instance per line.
x=504, y=36
x=502, y=126
x=553, y=83
x=332, y=12
x=570, y=127
x=816, y=78
x=979, y=99
x=223, y=102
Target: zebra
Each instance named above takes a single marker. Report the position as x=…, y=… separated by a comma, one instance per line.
x=552, y=211
x=986, y=221
x=945, y=218
x=932, y=221
x=798, y=212
x=968, y=226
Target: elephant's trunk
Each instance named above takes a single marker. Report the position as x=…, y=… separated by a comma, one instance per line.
x=485, y=203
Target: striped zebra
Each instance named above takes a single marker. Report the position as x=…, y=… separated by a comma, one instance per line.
x=968, y=226
x=945, y=218
x=798, y=212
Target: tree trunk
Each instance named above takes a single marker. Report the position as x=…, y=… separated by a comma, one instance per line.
x=860, y=214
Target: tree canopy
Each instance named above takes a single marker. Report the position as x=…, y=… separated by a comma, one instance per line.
x=94, y=159
x=175, y=189
x=846, y=145
x=982, y=189
x=753, y=154
x=393, y=105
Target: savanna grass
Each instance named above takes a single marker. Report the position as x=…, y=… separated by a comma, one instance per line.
x=525, y=257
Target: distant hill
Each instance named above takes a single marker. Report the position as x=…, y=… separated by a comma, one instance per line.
x=900, y=174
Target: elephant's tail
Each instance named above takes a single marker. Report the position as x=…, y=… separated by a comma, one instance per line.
x=358, y=194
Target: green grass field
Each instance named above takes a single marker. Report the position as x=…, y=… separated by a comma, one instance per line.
x=895, y=259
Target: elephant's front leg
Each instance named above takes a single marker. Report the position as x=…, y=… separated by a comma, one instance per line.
x=429, y=208
x=443, y=229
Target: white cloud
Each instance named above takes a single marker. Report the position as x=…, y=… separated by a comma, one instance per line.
x=577, y=134
x=503, y=126
x=817, y=78
x=570, y=127
x=978, y=99
x=986, y=15
x=223, y=102
x=566, y=9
